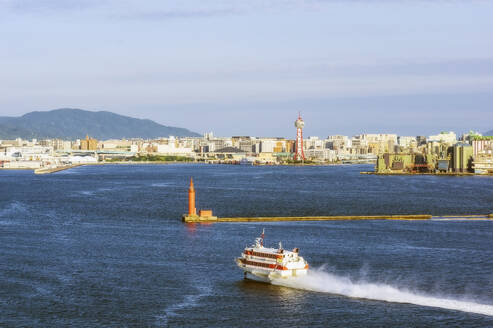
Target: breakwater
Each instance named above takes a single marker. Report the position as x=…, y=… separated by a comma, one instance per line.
x=309, y=218
x=411, y=217
x=47, y=170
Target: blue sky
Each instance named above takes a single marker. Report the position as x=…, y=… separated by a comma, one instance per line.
x=248, y=67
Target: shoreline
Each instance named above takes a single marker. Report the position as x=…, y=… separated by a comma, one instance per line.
x=49, y=170
x=44, y=170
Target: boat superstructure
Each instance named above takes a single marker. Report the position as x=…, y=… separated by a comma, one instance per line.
x=265, y=264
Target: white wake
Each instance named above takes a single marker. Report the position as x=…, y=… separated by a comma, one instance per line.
x=320, y=281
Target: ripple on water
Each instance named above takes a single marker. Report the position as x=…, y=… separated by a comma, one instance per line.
x=12, y=210
x=188, y=301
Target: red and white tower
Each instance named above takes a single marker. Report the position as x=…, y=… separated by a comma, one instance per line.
x=299, y=154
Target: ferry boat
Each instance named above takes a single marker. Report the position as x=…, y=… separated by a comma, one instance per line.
x=266, y=264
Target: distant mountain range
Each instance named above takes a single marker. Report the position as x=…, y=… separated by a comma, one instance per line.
x=70, y=123
x=489, y=133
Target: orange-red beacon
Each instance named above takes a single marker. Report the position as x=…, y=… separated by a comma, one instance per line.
x=204, y=215
x=191, y=199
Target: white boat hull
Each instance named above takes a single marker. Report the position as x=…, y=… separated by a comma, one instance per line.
x=269, y=275
x=267, y=264
x=261, y=278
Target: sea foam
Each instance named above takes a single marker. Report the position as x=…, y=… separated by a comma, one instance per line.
x=319, y=280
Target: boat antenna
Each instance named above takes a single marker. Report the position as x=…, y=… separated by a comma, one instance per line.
x=262, y=236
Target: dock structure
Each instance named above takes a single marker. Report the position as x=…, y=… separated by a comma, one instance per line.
x=327, y=218
x=312, y=218
x=48, y=170
x=412, y=217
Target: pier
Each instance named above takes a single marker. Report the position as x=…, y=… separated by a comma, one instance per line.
x=310, y=218
x=47, y=170
x=405, y=217
x=327, y=218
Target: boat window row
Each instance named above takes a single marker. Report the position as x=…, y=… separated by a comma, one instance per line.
x=271, y=256
x=264, y=265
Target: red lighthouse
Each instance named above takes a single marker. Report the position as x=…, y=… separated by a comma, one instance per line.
x=191, y=216
x=191, y=199
x=299, y=154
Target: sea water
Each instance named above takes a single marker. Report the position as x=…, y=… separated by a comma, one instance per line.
x=104, y=246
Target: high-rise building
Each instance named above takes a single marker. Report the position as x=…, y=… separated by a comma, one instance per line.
x=462, y=157
x=88, y=144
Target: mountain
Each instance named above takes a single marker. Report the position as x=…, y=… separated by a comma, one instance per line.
x=69, y=123
x=489, y=133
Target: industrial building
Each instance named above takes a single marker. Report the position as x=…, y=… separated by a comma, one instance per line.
x=462, y=158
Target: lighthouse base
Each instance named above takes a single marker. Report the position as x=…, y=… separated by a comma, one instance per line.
x=197, y=218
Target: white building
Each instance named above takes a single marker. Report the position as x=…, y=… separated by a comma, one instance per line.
x=447, y=137
x=267, y=145
x=82, y=159
x=313, y=143
x=22, y=164
x=406, y=142
x=173, y=147
x=34, y=153
x=338, y=142
x=327, y=155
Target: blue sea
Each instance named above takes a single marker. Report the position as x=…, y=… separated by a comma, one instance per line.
x=104, y=246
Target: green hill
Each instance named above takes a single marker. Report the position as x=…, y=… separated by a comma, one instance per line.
x=69, y=123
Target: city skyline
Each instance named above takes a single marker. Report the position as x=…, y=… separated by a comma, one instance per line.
x=145, y=122
x=411, y=68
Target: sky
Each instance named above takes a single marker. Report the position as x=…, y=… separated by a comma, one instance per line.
x=239, y=67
